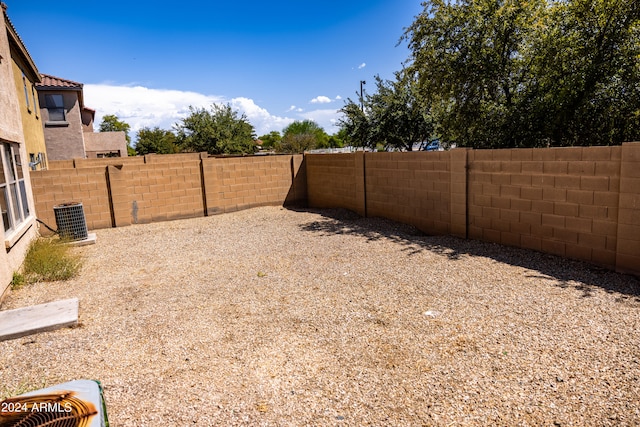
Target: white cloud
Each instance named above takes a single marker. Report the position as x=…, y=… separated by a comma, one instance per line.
x=327, y=118
x=361, y=66
x=140, y=106
x=294, y=108
x=259, y=117
x=320, y=100
x=144, y=107
x=338, y=98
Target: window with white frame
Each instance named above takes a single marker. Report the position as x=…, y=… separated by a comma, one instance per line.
x=13, y=194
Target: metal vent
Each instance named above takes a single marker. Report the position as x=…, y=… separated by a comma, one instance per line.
x=59, y=409
x=70, y=221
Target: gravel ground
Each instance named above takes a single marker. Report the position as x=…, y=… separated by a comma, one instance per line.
x=278, y=317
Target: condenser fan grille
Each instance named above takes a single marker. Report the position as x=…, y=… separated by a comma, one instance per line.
x=60, y=409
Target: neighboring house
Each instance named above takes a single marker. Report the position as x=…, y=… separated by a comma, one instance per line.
x=68, y=124
x=17, y=126
x=61, y=107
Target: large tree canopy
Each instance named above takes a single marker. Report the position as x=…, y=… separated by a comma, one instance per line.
x=219, y=131
x=393, y=116
x=513, y=73
x=156, y=141
x=301, y=136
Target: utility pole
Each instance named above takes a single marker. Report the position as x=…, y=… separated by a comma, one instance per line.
x=362, y=82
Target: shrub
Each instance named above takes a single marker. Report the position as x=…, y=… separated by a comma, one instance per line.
x=18, y=280
x=48, y=260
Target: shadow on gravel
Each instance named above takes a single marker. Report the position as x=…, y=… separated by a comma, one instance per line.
x=562, y=272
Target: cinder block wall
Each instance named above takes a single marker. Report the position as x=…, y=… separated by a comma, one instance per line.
x=336, y=180
x=106, y=161
x=562, y=201
x=414, y=188
x=60, y=164
x=238, y=183
x=628, y=244
x=577, y=202
x=86, y=185
x=156, y=192
x=122, y=191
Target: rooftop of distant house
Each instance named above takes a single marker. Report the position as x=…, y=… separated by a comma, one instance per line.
x=53, y=82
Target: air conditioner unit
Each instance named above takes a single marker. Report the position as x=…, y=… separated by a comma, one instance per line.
x=70, y=221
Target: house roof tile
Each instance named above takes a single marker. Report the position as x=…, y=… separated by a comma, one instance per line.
x=21, y=49
x=52, y=82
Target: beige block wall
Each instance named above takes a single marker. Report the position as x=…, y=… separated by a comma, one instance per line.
x=562, y=201
x=577, y=202
x=106, y=161
x=413, y=188
x=124, y=191
x=238, y=183
x=581, y=203
x=332, y=181
x=628, y=243
x=156, y=192
x=87, y=186
x=60, y=164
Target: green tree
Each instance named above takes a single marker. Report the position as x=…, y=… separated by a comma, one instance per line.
x=301, y=136
x=156, y=140
x=393, y=116
x=354, y=124
x=397, y=118
x=271, y=139
x=337, y=139
x=587, y=71
x=219, y=131
x=111, y=123
x=508, y=73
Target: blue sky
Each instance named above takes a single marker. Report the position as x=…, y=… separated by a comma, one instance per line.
x=275, y=61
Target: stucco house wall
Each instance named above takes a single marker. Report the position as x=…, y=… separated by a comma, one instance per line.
x=105, y=144
x=10, y=120
x=26, y=76
x=16, y=240
x=64, y=139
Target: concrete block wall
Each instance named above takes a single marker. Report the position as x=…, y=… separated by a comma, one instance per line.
x=60, y=164
x=577, y=202
x=562, y=201
x=628, y=243
x=118, y=192
x=332, y=181
x=86, y=185
x=156, y=192
x=165, y=158
x=106, y=161
x=236, y=183
x=413, y=188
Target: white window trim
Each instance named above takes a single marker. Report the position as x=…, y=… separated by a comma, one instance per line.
x=21, y=220
x=12, y=238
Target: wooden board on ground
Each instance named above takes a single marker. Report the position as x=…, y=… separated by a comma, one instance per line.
x=38, y=318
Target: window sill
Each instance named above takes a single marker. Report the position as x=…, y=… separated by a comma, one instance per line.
x=12, y=238
x=56, y=124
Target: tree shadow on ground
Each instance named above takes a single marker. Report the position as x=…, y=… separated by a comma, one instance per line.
x=562, y=272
